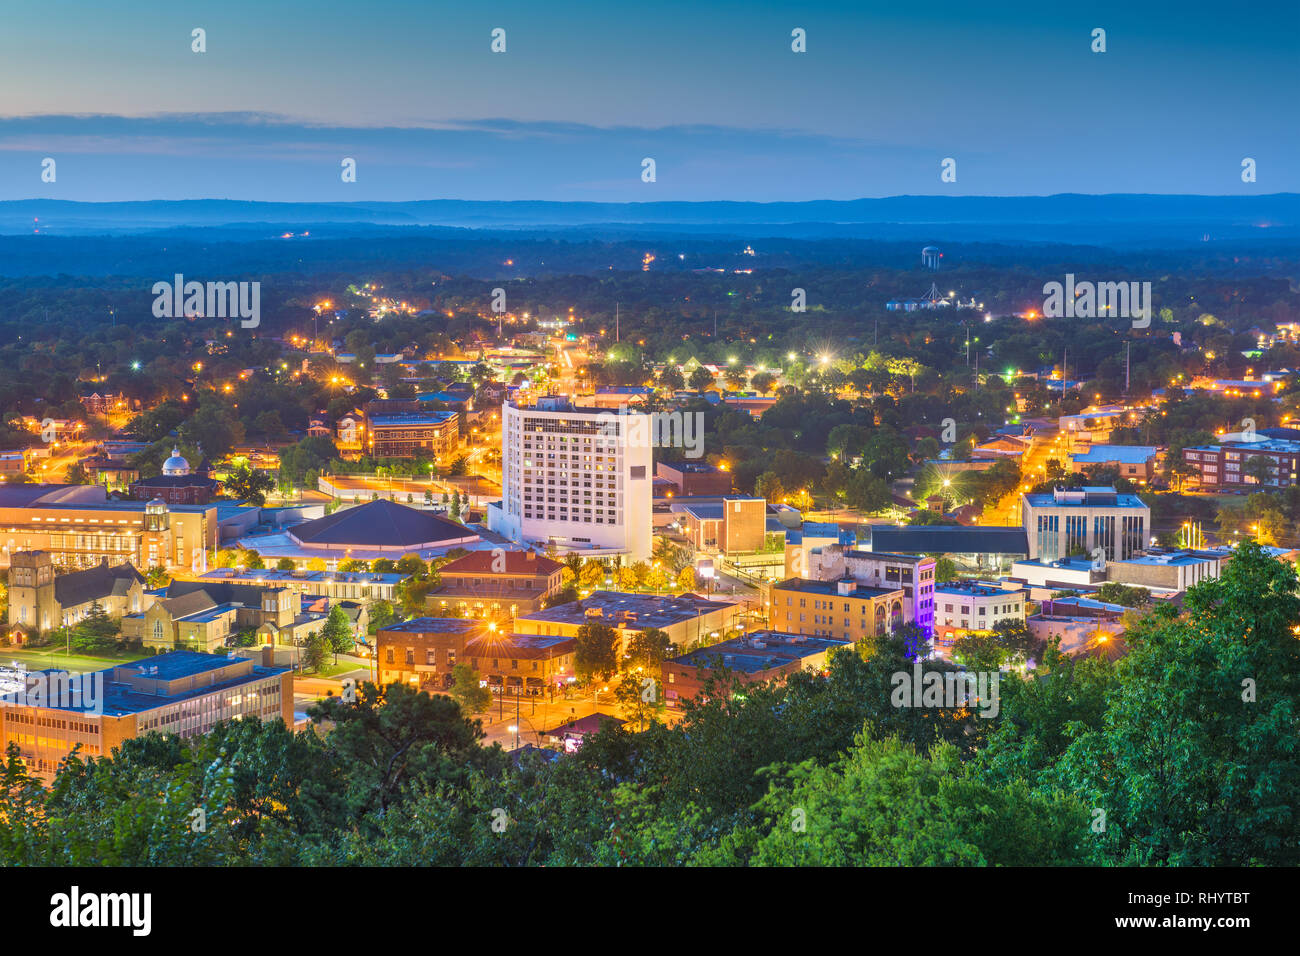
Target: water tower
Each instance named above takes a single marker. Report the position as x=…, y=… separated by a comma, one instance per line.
x=930, y=257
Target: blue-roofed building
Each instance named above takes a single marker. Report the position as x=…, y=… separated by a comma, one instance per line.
x=1134, y=462
x=182, y=692
x=455, y=401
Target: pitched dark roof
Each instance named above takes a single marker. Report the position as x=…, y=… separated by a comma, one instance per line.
x=94, y=584
x=948, y=539
x=380, y=523
x=219, y=592
x=187, y=604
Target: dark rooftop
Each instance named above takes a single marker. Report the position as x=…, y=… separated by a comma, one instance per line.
x=831, y=588
x=435, y=625
x=646, y=611
x=381, y=523
x=948, y=539
x=759, y=651
x=82, y=587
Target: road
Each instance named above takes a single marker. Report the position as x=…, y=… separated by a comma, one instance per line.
x=1047, y=443
x=533, y=716
x=63, y=455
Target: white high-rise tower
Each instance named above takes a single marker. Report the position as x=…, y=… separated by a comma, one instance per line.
x=578, y=477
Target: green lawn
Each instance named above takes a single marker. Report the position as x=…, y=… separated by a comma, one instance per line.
x=38, y=658
x=333, y=670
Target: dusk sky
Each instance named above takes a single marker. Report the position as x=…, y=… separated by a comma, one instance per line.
x=711, y=91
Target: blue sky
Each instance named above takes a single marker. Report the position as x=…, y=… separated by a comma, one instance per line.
x=711, y=91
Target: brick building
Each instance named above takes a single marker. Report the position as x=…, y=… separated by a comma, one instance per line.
x=422, y=651
x=497, y=583
x=403, y=429
x=522, y=664
x=1226, y=467
x=694, y=478
x=178, y=484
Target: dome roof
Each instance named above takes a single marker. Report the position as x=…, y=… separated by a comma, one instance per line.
x=176, y=465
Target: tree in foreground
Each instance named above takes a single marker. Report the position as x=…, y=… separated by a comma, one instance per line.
x=467, y=689
x=1197, y=757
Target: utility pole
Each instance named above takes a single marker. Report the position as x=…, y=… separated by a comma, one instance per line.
x=1127, y=348
x=616, y=322
x=968, y=346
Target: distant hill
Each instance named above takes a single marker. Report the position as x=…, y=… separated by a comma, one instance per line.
x=1109, y=219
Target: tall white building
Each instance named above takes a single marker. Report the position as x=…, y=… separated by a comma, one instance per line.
x=578, y=477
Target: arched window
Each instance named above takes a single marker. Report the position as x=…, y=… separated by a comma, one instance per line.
x=157, y=630
x=880, y=618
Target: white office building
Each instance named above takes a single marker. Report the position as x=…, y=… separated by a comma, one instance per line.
x=976, y=606
x=578, y=477
x=1072, y=522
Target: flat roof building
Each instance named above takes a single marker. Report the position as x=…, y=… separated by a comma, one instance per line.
x=79, y=526
x=364, y=586
x=403, y=429
x=687, y=618
x=912, y=574
x=979, y=549
x=841, y=610
x=974, y=607
x=578, y=477
x=1081, y=521
x=182, y=692
x=1135, y=462
x=522, y=664
x=690, y=478
x=1228, y=466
